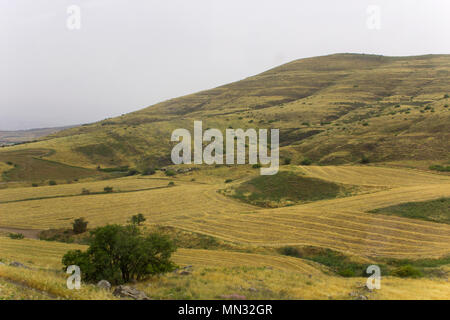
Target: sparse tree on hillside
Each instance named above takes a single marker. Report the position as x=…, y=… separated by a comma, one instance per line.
x=138, y=219
x=120, y=254
x=79, y=225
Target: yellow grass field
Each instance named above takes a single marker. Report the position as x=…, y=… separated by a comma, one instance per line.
x=342, y=224
x=216, y=274
x=75, y=189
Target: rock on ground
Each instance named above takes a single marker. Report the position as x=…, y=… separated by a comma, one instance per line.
x=103, y=284
x=130, y=292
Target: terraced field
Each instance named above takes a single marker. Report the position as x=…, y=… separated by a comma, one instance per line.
x=342, y=224
x=127, y=184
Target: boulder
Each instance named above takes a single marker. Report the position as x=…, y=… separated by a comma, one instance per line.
x=130, y=292
x=103, y=284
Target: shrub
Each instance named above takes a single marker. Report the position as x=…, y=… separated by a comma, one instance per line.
x=120, y=254
x=52, y=183
x=79, y=225
x=171, y=183
x=228, y=180
x=364, y=160
x=287, y=161
x=108, y=189
x=16, y=236
x=346, y=273
x=438, y=167
x=138, y=219
x=406, y=271
x=170, y=173
x=256, y=166
x=148, y=172
x=9, y=163
x=34, y=185
x=132, y=172
x=306, y=162
x=290, y=251
x=85, y=191
x=445, y=96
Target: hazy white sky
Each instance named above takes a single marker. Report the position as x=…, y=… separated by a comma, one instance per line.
x=131, y=54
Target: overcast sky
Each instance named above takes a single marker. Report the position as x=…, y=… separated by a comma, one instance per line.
x=131, y=54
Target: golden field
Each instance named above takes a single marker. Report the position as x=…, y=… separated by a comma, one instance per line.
x=342, y=224
x=217, y=274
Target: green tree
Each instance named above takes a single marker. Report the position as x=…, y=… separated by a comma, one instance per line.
x=120, y=254
x=138, y=219
x=79, y=225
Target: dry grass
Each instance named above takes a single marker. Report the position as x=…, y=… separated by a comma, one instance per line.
x=75, y=189
x=215, y=274
x=341, y=224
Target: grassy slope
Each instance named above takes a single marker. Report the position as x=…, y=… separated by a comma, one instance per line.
x=332, y=109
x=285, y=188
x=435, y=210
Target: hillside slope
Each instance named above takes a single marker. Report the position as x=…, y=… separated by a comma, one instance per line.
x=332, y=109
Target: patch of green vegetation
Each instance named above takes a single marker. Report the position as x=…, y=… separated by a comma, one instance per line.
x=94, y=151
x=336, y=261
x=16, y=236
x=435, y=210
x=114, y=169
x=440, y=168
x=306, y=162
x=64, y=235
x=421, y=264
x=29, y=166
x=285, y=187
x=346, y=267
x=406, y=271
x=170, y=173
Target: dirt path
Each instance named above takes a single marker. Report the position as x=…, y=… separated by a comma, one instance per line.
x=28, y=233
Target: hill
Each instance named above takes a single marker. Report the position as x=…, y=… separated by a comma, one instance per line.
x=332, y=109
x=21, y=136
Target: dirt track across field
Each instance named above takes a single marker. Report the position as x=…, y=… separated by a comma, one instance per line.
x=28, y=233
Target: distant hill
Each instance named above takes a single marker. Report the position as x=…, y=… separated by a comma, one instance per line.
x=332, y=109
x=20, y=136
